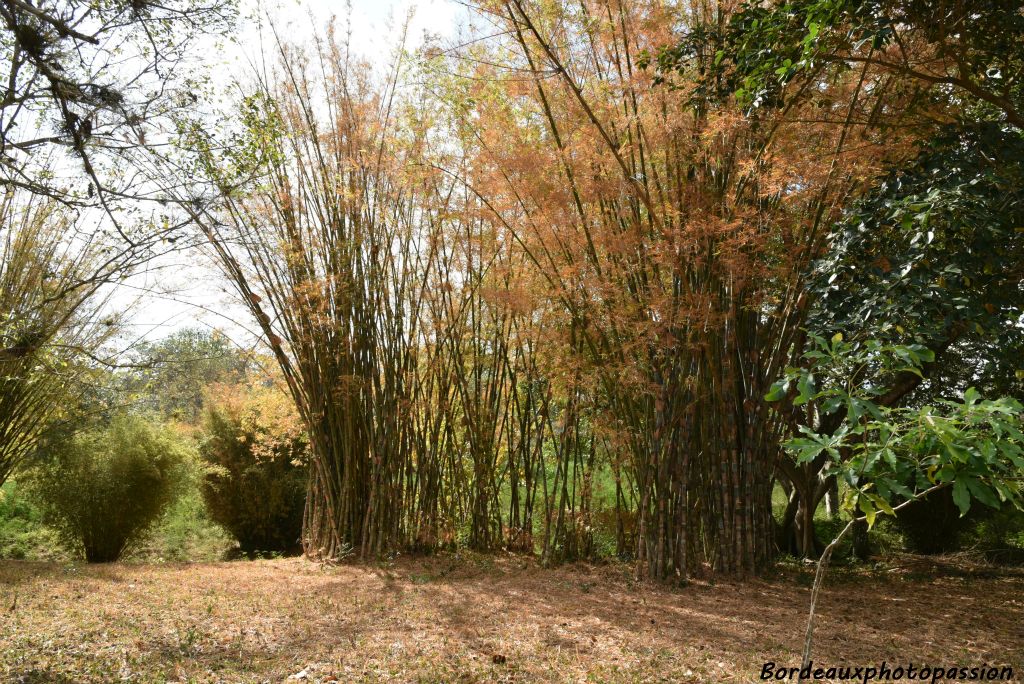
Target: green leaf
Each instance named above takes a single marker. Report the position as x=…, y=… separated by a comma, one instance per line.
x=961, y=496
x=805, y=387
x=778, y=390
x=806, y=449
x=902, y=490
x=864, y=503
x=982, y=493
x=882, y=504
x=890, y=457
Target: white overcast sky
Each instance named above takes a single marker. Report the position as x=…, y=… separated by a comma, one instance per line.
x=193, y=295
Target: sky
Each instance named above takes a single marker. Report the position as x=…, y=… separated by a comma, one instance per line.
x=182, y=290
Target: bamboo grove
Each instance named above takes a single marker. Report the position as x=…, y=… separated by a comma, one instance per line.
x=526, y=297
x=51, y=315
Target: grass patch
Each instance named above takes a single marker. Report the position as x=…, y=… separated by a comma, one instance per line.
x=22, y=533
x=185, y=532
x=449, y=618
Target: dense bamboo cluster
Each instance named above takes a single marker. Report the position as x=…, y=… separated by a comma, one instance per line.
x=675, y=231
x=537, y=300
x=50, y=317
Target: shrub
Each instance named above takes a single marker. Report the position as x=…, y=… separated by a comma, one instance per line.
x=1000, y=536
x=256, y=486
x=933, y=525
x=103, y=488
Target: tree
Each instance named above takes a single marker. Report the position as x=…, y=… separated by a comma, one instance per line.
x=674, y=241
x=393, y=308
x=332, y=251
x=87, y=82
x=890, y=457
x=173, y=375
x=930, y=255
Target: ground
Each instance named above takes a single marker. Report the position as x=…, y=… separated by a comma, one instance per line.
x=482, y=619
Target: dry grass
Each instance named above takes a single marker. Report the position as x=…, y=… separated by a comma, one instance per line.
x=477, y=619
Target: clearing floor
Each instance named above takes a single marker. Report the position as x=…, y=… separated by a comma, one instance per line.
x=484, y=619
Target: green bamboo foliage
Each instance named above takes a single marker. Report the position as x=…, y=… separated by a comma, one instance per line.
x=51, y=319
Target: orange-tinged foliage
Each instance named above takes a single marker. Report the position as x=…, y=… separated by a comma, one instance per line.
x=536, y=266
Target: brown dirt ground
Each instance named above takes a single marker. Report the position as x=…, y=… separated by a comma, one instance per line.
x=477, y=619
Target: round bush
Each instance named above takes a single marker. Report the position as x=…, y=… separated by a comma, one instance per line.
x=256, y=484
x=102, y=488
x=933, y=525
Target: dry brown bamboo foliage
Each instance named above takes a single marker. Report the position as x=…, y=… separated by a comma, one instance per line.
x=534, y=276
x=675, y=234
